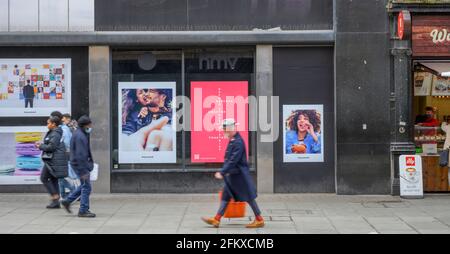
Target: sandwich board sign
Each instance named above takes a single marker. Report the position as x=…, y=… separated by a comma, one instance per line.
x=410, y=174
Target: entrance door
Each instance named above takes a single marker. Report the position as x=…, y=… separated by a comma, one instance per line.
x=304, y=154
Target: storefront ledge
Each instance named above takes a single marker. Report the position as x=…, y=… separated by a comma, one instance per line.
x=325, y=37
x=165, y=170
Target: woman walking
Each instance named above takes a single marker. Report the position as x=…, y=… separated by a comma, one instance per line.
x=55, y=160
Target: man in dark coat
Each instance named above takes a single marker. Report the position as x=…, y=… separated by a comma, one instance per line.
x=28, y=95
x=55, y=160
x=236, y=175
x=82, y=163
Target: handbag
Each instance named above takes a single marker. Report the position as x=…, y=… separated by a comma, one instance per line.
x=443, y=158
x=235, y=209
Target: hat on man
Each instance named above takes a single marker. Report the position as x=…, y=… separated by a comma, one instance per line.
x=83, y=121
x=229, y=122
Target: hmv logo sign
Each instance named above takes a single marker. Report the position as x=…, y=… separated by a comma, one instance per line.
x=217, y=61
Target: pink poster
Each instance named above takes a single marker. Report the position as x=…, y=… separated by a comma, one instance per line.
x=211, y=102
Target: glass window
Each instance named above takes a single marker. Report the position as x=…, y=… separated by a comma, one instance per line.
x=23, y=15
x=53, y=15
x=181, y=67
x=4, y=16
x=81, y=15
x=154, y=68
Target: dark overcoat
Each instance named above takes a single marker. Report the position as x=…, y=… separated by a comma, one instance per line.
x=238, y=182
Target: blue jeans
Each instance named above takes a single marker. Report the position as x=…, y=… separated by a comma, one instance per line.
x=84, y=190
x=63, y=184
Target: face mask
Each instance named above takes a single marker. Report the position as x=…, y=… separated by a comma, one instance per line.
x=88, y=130
x=429, y=115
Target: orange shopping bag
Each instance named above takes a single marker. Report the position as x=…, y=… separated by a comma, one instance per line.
x=234, y=209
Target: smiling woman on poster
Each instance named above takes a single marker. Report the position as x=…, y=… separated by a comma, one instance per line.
x=304, y=133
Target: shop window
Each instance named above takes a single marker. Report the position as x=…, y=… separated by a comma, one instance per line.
x=145, y=85
x=431, y=108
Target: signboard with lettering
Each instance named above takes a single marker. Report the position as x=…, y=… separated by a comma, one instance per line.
x=431, y=35
x=410, y=174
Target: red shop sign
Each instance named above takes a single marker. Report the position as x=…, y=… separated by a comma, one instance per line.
x=431, y=35
x=403, y=25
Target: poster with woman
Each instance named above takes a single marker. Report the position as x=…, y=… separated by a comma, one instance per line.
x=20, y=160
x=303, y=133
x=147, y=122
x=21, y=83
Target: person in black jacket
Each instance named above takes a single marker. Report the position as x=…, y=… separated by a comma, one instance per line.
x=82, y=163
x=28, y=94
x=55, y=160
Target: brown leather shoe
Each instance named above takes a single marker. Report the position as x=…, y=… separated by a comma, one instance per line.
x=211, y=221
x=256, y=224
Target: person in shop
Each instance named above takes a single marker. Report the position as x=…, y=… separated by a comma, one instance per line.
x=446, y=128
x=429, y=119
x=82, y=162
x=28, y=94
x=236, y=175
x=55, y=160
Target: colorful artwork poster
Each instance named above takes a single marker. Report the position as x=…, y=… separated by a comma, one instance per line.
x=147, y=122
x=441, y=86
x=422, y=83
x=211, y=103
x=303, y=133
x=20, y=160
x=27, y=86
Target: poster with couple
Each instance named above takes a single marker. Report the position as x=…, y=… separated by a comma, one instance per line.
x=303, y=133
x=34, y=87
x=20, y=160
x=147, y=122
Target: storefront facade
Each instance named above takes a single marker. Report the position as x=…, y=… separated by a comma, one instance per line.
x=290, y=55
x=421, y=52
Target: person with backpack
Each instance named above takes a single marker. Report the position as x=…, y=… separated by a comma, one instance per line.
x=55, y=160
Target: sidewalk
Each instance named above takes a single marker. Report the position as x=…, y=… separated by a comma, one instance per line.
x=180, y=213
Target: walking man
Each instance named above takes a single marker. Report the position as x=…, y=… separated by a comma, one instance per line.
x=82, y=163
x=236, y=174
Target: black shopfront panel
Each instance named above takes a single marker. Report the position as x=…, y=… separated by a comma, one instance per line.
x=304, y=76
x=210, y=15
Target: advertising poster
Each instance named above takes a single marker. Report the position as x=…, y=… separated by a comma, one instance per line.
x=303, y=133
x=34, y=87
x=410, y=172
x=146, y=114
x=441, y=86
x=20, y=160
x=211, y=102
x=422, y=83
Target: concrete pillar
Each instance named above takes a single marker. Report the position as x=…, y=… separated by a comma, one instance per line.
x=264, y=87
x=100, y=113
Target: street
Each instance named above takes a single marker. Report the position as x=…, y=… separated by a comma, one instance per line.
x=180, y=214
